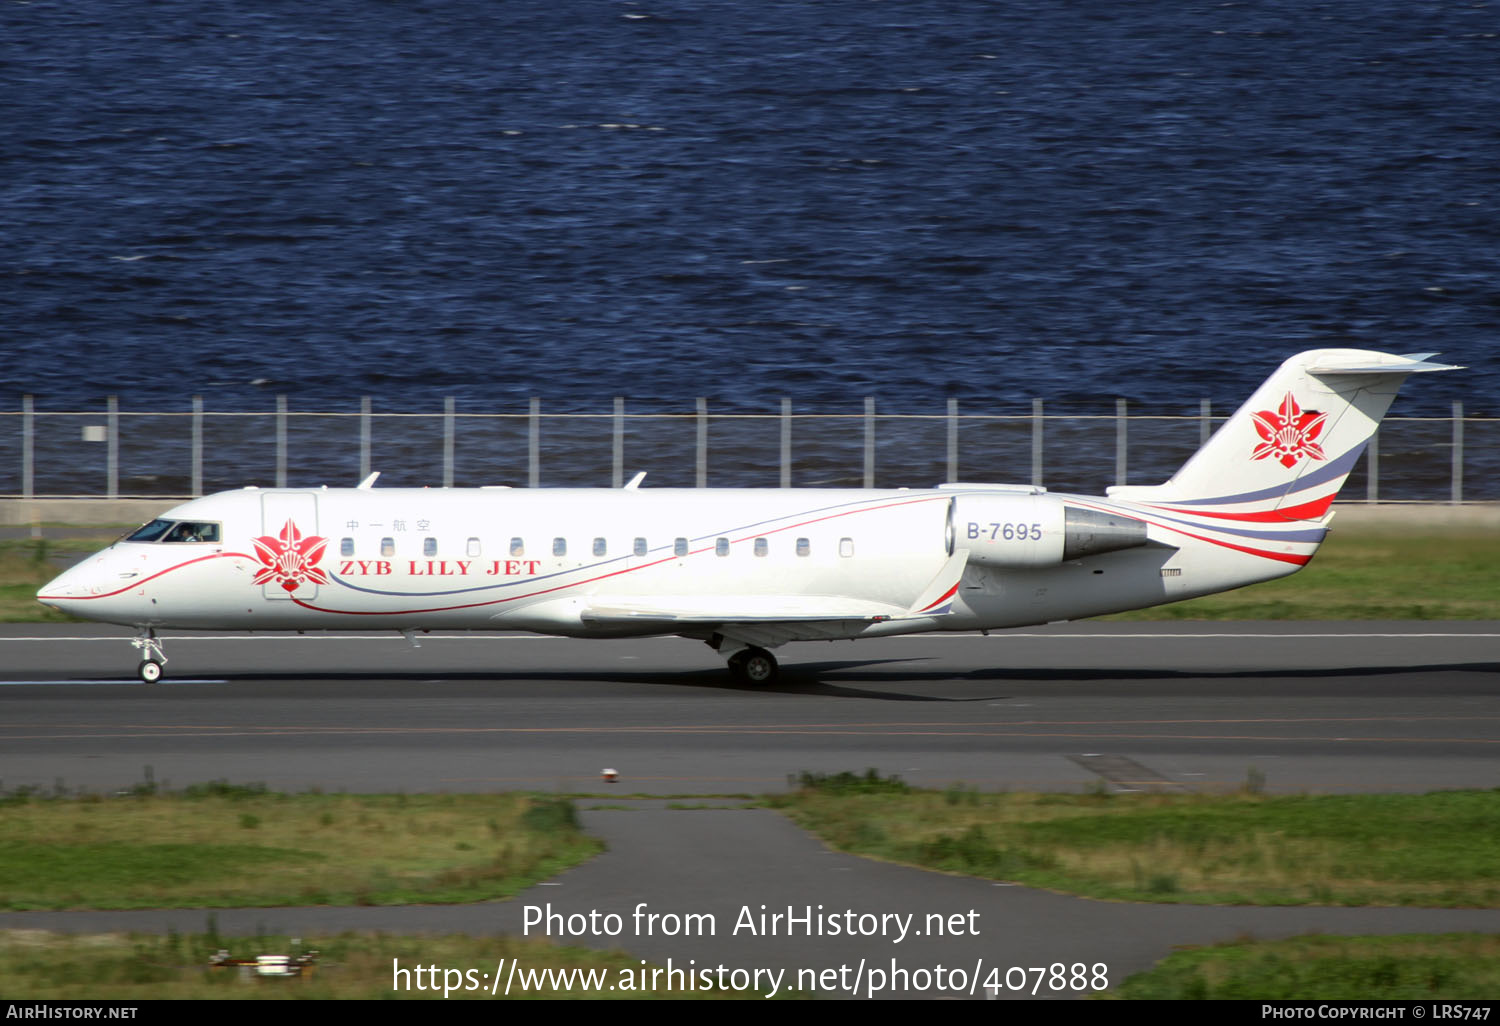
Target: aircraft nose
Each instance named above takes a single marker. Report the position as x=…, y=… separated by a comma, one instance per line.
x=61, y=587
x=73, y=583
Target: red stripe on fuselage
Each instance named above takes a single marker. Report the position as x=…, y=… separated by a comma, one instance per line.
x=1283, y=557
x=1306, y=511
x=136, y=584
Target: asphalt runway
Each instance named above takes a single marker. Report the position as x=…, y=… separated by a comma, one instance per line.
x=1303, y=707
x=1299, y=707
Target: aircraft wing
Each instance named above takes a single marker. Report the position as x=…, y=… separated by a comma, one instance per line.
x=770, y=620
x=692, y=610
x=765, y=620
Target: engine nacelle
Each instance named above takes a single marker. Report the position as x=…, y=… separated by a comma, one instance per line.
x=1021, y=531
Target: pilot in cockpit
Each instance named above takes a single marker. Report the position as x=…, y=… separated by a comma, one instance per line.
x=184, y=532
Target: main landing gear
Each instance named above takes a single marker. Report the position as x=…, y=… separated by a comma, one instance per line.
x=153, y=658
x=754, y=666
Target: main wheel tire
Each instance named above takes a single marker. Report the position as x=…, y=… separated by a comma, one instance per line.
x=757, y=666
x=149, y=671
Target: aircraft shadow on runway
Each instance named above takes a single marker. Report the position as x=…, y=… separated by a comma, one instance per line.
x=795, y=679
x=828, y=679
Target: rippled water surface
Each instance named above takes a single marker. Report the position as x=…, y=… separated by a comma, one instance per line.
x=741, y=201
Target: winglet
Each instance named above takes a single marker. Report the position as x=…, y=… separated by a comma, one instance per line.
x=937, y=598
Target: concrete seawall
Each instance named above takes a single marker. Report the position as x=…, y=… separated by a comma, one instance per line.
x=22, y=513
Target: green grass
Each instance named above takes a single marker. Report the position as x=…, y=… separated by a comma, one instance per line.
x=1443, y=967
x=26, y=565
x=1367, y=575
x=36, y=965
x=223, y=846
x=1440, y=849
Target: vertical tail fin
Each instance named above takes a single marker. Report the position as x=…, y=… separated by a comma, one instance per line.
x=1285, y=453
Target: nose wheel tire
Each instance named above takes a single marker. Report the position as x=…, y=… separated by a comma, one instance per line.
x=149, y=671
x=754, y=666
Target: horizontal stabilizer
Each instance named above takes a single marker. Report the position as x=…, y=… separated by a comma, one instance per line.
x=1415, y=363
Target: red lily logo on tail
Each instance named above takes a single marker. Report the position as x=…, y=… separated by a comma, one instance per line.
x=290, y=559
x=1289, y=434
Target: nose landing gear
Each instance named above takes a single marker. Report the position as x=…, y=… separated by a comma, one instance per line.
x=153, y=656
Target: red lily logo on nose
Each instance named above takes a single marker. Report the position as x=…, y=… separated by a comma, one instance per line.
x=290, y=559
x=1289, y=434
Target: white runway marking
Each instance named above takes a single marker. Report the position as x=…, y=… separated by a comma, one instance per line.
x=997, y=635
x=1351, y=634
x=179, y=639
x=139, y=683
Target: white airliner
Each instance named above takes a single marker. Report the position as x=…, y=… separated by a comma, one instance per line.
x=747, y=570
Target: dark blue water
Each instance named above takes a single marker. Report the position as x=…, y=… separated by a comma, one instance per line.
x=663, y=200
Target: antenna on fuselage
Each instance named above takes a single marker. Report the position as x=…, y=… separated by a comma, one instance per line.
x=368, y=482
x=635, y=482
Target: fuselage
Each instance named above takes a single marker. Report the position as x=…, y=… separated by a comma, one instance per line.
x=542, y=560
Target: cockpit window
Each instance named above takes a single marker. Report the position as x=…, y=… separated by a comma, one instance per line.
x=176, y=531
x=151, y=532
x=192, y=531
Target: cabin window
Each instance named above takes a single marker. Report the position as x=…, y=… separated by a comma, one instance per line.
x=679, y=547
x=346, y=546
x=640, y=546
x=517, y=547
x=387, y=546
x=762, y=546
x=559, y=546
x=473, y=549
x=846, y=547
x=429, y=546
x=804, y=547
x=600, y=547
x=721, y=546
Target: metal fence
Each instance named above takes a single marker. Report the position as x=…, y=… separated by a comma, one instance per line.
x=173, y=454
